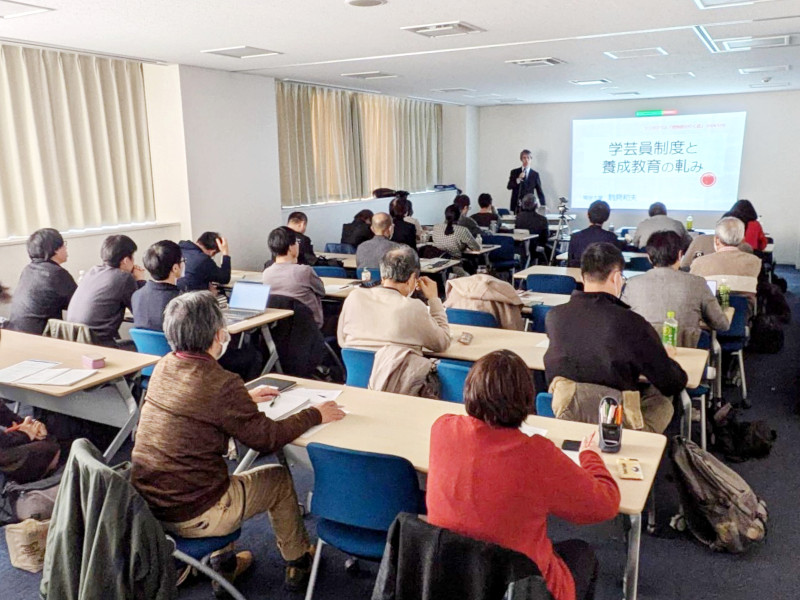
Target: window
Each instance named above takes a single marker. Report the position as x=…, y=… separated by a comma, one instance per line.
x=340, y=145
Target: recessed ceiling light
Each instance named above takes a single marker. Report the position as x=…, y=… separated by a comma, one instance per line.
x=444, y=29
x=365, y=3
x=770, y=84
x=748, y=43
x=636, y=53
x=536, y=62
x=706, y=4
x=453, y=90
x=370, y=75
x=623, y=93
x=241, y=52
x=509, y=100
x=775, y=69
x=679, y=75
x=13, y=10
x=590, y=81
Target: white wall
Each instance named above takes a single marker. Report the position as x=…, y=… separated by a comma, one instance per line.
x=325, y=221
x=231, y=139
x=769, y=175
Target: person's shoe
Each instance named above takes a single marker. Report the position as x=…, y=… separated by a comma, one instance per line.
x=230, y=567
x=297, y=571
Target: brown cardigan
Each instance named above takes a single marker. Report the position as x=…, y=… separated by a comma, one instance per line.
x=192, y=407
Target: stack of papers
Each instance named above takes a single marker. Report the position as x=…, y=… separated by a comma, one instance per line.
x=294, y=400
x=41, y=372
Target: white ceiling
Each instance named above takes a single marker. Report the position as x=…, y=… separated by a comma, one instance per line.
x=321, y=39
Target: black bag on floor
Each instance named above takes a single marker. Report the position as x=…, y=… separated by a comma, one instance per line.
x=34, y=500
x=739, y=441
x=766, y=335
x=720, y=508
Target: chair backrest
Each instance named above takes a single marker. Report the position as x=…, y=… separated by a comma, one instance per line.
x=298, y=339
x=362, y=489
x=340, y=248
x=538, y=316
x=463, y=316
x=67, y=330
x=551, y=284
x=452, y=375
x=738, y=328
x=506, y=249
x=150, y=342
x=544, y=405
x=374, y=273
x=639, y=263
x=330, y=271
x=358, y=364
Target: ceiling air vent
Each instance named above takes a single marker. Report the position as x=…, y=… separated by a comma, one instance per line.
x=435, y=30
x=241, y=52
x=536, y=62
x=370, y=75
x=672, y=76
x=754, y=70
x=636, y=53
x=623, y=93
x=749, y=43
x=454, y=90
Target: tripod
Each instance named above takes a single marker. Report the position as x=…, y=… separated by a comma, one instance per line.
x=562, y=232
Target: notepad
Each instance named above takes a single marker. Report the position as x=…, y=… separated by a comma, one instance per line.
x=545, y=343
x=530, y=430
x=295, y=400
x=57, y=377
x=23, y=369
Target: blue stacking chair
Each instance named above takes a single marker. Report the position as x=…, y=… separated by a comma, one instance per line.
x=544, y=405
x=639, y=263
x=538, y=316
x=504, y=258
x=357, y=496
x=734, y=340
x=196, y=552
x=452, y=375
x=550, y=284
x=330, y=271
x=358, y=364
x=149, y=342
x=339, y=248
x=703, y=391
x=463, y=316
x=375, y=274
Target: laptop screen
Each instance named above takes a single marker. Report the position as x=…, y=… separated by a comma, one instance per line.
x=249, y=296
x=712, y=285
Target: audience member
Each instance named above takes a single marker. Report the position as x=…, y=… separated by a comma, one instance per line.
x=727, y=259
x=387, y=316
x=164, y=261
x=297, y=222
x=27, y=452
x=596, y=339
x=193, y=407
x=105, y=291
x=598, y=213
x=530, y=219
x=753, y=233
x=659, y=221
x=201, y=271
x=358, y=231
x=490, y=481
x=45, y=287
x=463, y=203
x=402, y=231
x=486, y=215
x=415, y=222
x=287, y=278
x=702, y=245
x=666, y=288
x=451, y=237
x=370, y=253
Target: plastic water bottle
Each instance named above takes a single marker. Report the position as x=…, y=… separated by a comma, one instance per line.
x=611, y=227
x=689, y=223
x=669, y=331
x=366, y=275
x=493, y=226
x=724, y=294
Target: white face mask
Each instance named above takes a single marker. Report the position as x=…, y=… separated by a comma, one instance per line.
x=224, y=344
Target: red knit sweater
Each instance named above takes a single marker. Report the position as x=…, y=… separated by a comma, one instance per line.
x=754, y=235
x=499, y=485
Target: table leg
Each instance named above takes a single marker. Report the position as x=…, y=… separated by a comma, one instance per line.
x=632, y=566
x=687, y=415
x=273, y=362
x=133, y=411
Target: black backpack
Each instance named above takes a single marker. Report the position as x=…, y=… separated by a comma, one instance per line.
x=739, y=441
x=719, y=507
x=766, y=335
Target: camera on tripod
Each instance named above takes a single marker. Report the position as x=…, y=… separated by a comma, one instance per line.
x=562, y=206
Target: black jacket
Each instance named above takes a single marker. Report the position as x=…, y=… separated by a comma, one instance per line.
x=580, y=240
x=44, y=290
x=149, y=303
x=356, y=232
x=425, y=562
x=597, y=338
x=532, y=183
x=306, y=255
x=405, y=233
x=535, y=224
x=201, y=270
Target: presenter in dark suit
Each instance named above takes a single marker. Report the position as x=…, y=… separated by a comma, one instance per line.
x=524, y=180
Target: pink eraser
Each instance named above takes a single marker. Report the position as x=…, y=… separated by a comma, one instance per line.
x=94, y=361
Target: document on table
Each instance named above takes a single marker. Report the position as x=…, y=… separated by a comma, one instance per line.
x=574, y=456
x=530, y=430
x=334, y=289
x=544, y=343
x=57, y=377
x=24, y=369
x=295, y=400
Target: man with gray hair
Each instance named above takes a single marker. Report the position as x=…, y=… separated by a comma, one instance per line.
x=727, y=258
x=192, y=407
x=370, y=253
x=373, y=318
x=659, y=221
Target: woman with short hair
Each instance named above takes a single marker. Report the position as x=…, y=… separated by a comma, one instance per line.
x=490, y=481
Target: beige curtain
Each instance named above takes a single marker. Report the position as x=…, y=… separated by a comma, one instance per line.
x=340, y=145
x=74, y=150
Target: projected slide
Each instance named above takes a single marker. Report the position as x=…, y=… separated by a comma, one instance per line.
x=687, y=162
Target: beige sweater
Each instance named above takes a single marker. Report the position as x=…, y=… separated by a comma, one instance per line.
x=375, y=317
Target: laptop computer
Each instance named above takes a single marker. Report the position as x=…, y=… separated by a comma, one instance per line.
x=248, y=299
x=712, y=285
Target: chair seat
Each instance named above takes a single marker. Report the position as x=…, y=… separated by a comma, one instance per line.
x=357, y=541
x=700, y=390
x=732, y=345
x=505, y=264
x=197, y=548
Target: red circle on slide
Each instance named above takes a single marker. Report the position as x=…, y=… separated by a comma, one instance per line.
x=708, y=179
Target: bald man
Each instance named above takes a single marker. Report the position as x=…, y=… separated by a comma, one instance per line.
x=370, y=253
